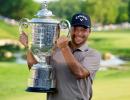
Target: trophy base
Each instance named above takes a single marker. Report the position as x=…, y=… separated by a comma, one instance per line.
x=41, y=90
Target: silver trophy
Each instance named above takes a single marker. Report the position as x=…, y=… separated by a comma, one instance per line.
x=44, y=32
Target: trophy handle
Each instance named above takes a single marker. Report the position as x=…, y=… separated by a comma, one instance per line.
x=65, y=24
x=23, y=25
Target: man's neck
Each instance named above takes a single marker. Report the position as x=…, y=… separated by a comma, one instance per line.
x=74, y=46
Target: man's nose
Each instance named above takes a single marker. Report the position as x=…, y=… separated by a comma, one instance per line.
x=79, y=33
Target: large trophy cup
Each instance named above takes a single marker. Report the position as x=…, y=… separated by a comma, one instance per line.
x=44, y=32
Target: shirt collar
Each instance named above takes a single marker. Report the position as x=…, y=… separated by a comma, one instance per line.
x=84, y=47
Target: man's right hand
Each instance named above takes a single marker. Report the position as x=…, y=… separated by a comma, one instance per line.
x=23, y=39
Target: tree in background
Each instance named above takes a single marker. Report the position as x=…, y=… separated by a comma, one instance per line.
x=102, y=11
x=129, y=10
x=18, y=9
x=105, y=12
x=122, y=12
x=64, y=8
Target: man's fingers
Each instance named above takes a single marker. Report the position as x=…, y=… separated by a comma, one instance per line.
x=24, y=33
x=23, y=39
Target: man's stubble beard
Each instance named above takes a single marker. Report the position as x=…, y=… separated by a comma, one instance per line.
x=78, y=44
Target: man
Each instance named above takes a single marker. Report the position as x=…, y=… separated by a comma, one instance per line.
x=75, y=63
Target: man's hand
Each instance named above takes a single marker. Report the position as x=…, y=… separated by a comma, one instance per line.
x=24, y=39
x=62, y=42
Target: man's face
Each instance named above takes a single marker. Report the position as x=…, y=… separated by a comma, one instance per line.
x=79, y=35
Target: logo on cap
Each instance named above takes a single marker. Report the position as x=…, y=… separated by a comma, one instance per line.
x=81, y=17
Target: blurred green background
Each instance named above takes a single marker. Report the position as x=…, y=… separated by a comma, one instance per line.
x=110, y=35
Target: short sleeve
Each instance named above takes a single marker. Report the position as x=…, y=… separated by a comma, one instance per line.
x=92, y=61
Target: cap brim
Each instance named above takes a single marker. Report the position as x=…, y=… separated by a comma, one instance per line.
x=76, y=25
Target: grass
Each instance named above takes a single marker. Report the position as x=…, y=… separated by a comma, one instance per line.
x=112, y=85
x=114, y=42
x=13, y=81
x=112, y=89
x=114, y=39
x=8, y=31
x=108, y=85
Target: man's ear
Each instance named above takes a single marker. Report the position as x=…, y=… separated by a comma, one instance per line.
x=89, y=31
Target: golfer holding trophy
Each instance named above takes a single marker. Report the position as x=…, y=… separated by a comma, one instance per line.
x=44, y=32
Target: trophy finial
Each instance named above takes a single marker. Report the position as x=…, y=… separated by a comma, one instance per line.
x=44, y=5
x=44, y=12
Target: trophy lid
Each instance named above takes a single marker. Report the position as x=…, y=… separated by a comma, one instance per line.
x=44, y=15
